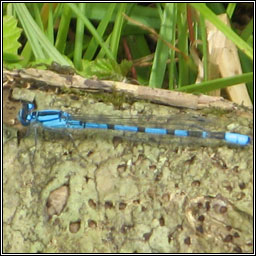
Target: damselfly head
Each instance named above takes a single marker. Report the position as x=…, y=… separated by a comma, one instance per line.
x=24, y=115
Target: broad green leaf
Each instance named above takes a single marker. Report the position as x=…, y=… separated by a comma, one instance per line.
x=11, y=58
x=11, y=34
x=106, y=69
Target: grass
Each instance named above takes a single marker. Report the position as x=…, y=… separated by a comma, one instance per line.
x=98, y=38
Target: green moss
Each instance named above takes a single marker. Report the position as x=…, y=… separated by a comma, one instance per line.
x=116, y=98
x=218, y=112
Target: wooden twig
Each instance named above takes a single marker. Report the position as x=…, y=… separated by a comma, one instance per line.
x=37, y=77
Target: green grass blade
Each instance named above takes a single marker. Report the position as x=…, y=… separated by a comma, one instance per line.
x=79, y=39
x=26, y=22
x=40, y=44
x=216, y=84
x=230, y=9
x=205, y=46
x=172, y=65
x=38, y=18
x=50, y=27
x=93, y=45
x=162, y=50
x=117, y=30
x=92, y=30
x=248, y=30
x=182, y=44
x=62, y=34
